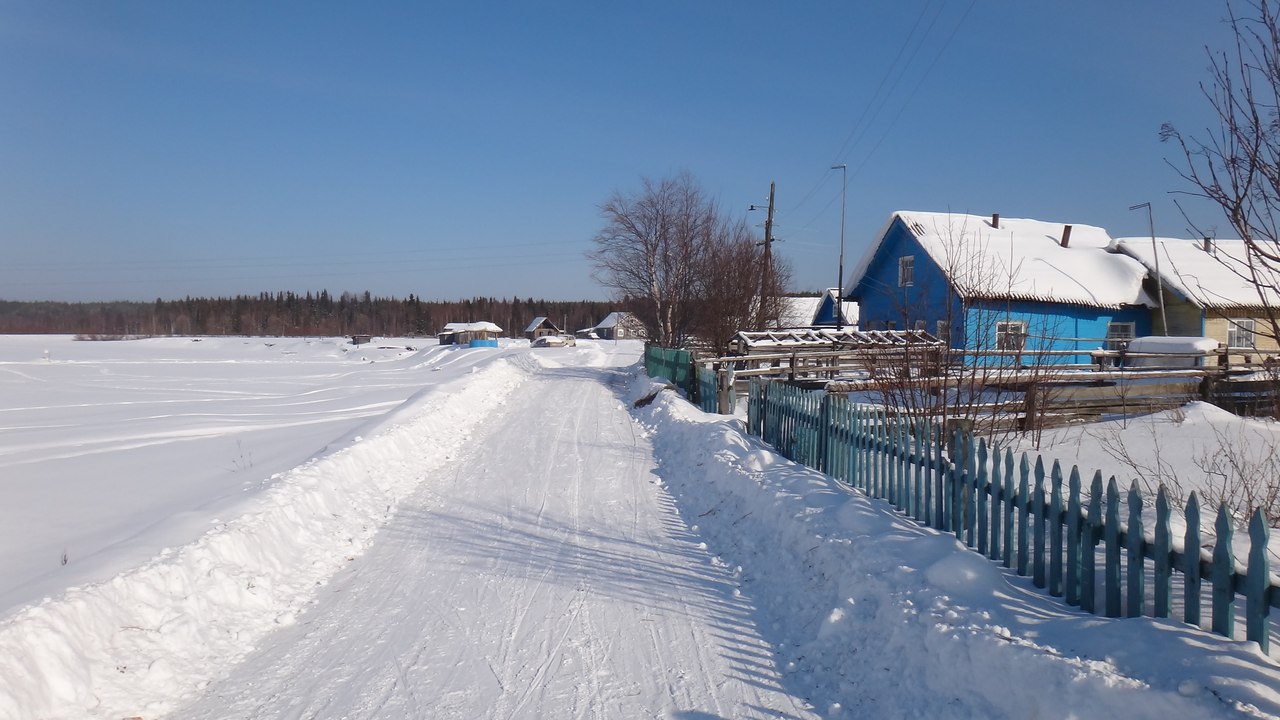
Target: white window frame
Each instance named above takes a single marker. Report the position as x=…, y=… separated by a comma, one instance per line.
x=944, y=331
x=906, y=271
x=1119, y=334
x=1242, y=332
x=1006, y=330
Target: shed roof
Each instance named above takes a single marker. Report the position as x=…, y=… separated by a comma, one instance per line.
x=537, y=322
x=612, y=319
x=1217, y=278
x=1020, y=260
x=472, y=327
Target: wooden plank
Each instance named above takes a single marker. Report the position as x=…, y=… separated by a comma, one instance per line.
x=1257, y=609
x=1163, y=565
x=1135, y=602
x=1191, y=562
x=1223, y=568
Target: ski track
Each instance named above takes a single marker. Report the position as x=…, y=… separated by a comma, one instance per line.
x=517, y=585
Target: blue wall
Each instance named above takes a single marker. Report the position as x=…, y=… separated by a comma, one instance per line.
x=1050, y=326
x=880, y=300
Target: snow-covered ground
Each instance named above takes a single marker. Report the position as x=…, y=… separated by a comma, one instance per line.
x=261, y=528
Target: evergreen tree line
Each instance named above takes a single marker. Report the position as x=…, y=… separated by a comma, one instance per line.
x=288, y=313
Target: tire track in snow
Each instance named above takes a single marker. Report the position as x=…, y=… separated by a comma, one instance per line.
x=547, y=576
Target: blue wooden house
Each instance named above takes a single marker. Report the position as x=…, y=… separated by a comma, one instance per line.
x=832, y=312
x=995, y=284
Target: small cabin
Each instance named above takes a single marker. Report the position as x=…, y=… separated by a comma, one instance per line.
x=620, y=326
x=476, y=334
x=361, y=339
x=541, y=327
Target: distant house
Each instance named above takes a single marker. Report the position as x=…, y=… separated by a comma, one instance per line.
x=796, y=311
x=619, y=326
x=541, y=327
x=476, y=334
x=1206, y=291
x=997, y=284
x=813, y=311
x=826, y=313
x=361, y=339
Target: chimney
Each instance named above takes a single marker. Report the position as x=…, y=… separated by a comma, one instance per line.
x=995, y=220
x=1066, y=235
x=1208, y=244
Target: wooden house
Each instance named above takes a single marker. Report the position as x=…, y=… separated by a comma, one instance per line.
x=475, y=334
x=1205, y=290
x=620, y=326
x=541, y=327
x=994, y=284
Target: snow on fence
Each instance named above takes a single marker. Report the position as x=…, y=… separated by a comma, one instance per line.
x=1084, y=548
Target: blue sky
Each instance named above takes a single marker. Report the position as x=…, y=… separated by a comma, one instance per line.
x=164, y=149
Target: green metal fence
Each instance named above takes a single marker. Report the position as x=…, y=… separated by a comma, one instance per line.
x=1084, y=547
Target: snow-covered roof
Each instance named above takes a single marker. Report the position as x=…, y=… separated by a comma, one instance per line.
x=472, y=327
x=612, y=319
x=1021, y=260
x=797, y=312
x=848, y=308
x=537, y=322
x=1210, y=279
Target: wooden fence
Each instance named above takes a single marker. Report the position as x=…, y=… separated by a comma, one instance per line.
x=1077, y=543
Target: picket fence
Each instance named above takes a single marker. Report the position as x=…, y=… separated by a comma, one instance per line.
x=1084, y=548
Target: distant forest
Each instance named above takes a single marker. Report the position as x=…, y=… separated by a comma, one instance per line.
x=288, y=313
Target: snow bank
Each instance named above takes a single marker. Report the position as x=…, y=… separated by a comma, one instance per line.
x=868, y=610
x=127, y=646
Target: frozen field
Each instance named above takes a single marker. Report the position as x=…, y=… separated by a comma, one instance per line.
x=286, y=529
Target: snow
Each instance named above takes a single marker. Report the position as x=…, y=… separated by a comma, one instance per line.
x=613, y=319
x=1170, y=345
x=1022, y=260
x=1213, y=279
x=483, y=326
x=480, y=534
x=797, y=312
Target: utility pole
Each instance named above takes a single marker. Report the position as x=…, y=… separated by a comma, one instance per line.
x=766, y=279
x=844, y=190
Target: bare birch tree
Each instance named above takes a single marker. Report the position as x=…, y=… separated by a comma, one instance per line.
x=1237, y=165
x=685, y=267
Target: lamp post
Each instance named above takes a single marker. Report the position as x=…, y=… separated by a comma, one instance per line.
x=1155, y=253
x=844, y=187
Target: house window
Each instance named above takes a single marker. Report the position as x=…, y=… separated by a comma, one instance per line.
x=919, y=326
x=944, y=331
x=1011, y=335
x=1240, y=332
x=890, y=325
x=1118, y=335
x=906, y=271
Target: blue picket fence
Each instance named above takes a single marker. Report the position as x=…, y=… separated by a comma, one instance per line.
x=1075, y=542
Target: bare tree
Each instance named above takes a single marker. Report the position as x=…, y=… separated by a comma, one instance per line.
x=1237, y=165
x=727, y=294
x=685, y=267
x=651, y=248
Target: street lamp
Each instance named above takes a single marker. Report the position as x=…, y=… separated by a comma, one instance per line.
x=1155, y=253
x=844, y=187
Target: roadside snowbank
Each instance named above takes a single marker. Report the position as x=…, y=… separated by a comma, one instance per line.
x=873, y=614
x=129, y=645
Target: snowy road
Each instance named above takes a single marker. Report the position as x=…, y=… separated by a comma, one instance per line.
x=547, y=574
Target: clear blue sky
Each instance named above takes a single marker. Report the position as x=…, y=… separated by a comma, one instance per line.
x=162, y=149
